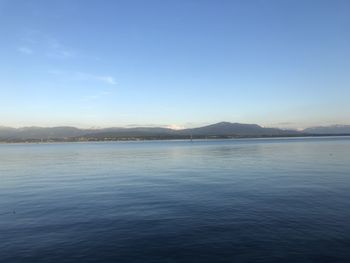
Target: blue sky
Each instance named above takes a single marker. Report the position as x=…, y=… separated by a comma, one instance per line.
x=174, y=63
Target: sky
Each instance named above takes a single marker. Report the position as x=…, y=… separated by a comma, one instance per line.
x=173, y=63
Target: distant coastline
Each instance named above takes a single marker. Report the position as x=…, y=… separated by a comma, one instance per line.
x=169, y=139
x=221, y=130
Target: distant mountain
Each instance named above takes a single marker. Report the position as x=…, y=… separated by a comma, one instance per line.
x=38, y=133
x=6, y=132
x=218, y=130
x=137, y=132
x=72, y=133
x=334, y=129
x=237, y=129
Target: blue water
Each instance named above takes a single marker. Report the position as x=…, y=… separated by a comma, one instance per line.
x=254, y=200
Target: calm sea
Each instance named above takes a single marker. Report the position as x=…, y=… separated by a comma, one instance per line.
x=253, y=200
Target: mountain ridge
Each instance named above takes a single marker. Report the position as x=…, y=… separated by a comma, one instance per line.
x=217, y=130
x=331, y=129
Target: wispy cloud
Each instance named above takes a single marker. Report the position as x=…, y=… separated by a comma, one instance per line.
x=45, y=45
x=25, y=50
x=91, y=97
x=106, y=92
x=107, y=79
x=285, y=123
x=175, y=127
x=84, y=76
x=55, y=49
x=96, y=96
x=153, y=125
x=150, y=125
x=55, y=72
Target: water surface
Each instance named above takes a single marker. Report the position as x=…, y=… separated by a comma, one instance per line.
x=254, y=200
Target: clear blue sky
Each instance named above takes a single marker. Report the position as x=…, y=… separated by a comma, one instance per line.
x=92, y=63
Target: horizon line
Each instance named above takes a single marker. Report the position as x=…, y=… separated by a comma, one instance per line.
x=164, y=126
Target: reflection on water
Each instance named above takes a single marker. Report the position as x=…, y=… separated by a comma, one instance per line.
x=257, y=200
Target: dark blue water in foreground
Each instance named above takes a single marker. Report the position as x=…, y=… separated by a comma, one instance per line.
x=257, y=200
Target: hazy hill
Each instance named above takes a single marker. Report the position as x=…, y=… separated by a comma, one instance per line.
x=334, y=129
x=131, y=132
x=237, y=129
x=39, y=133
x=222, y=129
x=53, y=133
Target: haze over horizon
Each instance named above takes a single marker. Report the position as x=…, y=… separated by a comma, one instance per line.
x=175, y=64
x=172, y=127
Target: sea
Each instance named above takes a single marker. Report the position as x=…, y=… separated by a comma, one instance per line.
x=239, y=200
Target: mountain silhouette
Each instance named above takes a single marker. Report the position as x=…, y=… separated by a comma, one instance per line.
x=66, y=133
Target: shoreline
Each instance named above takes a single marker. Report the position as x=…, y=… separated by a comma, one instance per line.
x=198, y=139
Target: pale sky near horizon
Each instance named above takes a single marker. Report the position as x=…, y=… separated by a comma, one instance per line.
x=90, y=63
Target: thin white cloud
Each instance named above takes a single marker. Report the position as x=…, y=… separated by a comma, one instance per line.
x=60, y=54
x=175, y=127
x=107, y=79
x=46, y=44
x=144, y=125
x=96, y=96
x=91, y=97
x=83, y=76
x=57, y=50
x=55, y=72
x=25, y=50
